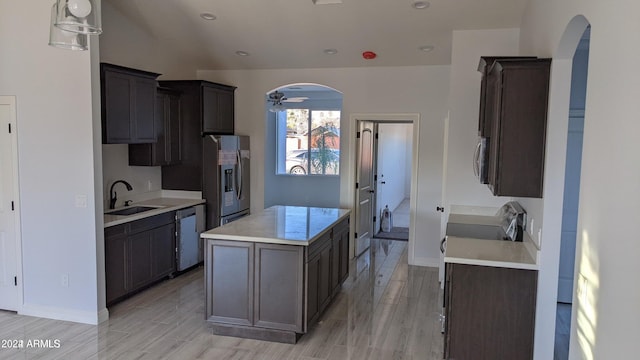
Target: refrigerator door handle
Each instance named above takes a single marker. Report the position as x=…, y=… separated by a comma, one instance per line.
x=239, y=175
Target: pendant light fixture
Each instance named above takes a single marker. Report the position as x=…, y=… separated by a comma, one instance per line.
x=65, y=39
x=80, y=16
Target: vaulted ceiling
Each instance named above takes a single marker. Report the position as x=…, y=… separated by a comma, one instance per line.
x=295, y=33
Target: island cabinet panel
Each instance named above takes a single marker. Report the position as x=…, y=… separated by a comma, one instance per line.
x=490, y=312
x=340, y=255
x=318, y=277
x=230, y=282
x=137, y=254
x=278, y=287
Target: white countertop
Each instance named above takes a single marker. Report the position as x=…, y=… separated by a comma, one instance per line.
x=474, y=219
x=496, y=253
x=163, y=205
x=289, y=225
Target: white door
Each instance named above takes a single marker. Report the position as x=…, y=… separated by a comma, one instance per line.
x=365, y=186
x=8, y=203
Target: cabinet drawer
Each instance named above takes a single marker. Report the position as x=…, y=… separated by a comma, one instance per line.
x=116, y=230
x=151, y=222
x=341, y=226
x=318, y=245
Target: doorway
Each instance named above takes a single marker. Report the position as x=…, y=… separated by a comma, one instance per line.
x=10, y=249
x=566, y=271
x=393, y=148
x=393, y=185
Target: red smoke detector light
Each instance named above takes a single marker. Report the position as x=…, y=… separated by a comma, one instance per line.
x=369, y=55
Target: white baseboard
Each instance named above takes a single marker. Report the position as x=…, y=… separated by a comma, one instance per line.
x=55, y=313
x=428, y=262
x=103, y=315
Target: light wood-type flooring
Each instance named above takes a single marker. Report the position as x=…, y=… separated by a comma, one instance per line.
x=386, y=310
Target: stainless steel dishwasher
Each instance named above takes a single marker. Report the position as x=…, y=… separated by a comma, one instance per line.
x=188, y=230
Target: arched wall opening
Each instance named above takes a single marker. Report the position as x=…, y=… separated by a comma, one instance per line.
x=302, y=145
x=554, y=187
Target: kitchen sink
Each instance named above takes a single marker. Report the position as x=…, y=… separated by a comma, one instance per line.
x=131, y=210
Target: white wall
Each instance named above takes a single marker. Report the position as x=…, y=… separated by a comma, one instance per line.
x=56, y=162
x=462, y=187
x=393, y=157
x=420, y=89
x=606, y=318
x=127, y=44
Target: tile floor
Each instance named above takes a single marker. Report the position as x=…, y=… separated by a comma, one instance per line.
x=386, y=310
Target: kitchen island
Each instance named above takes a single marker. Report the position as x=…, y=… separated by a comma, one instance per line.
x=270, y=275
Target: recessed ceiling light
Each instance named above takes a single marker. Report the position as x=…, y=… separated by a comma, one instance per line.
x=326, y=2
x=420, y=5
x=330, y=51
x=208, y=16
x=242, y=53
x=426, y=48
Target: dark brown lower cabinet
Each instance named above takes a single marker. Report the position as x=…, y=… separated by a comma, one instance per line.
x=271, y=291
x=490, y=312
x=138, y=254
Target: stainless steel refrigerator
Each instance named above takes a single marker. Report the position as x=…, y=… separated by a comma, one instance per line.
x=225, y=183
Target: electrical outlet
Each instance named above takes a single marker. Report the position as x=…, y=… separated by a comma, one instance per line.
x=540, y=237
x=531, y=226
x=64, y=280
x=81, y=201
x=149, y=185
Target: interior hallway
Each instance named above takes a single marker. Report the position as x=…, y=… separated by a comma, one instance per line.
x=386, y=310
x=400, y=223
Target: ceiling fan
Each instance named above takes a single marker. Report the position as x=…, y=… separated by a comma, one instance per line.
x=277, y=98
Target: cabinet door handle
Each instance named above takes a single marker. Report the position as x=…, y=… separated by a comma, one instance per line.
x=476, y=160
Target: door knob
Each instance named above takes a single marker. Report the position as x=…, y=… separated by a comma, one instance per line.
x=371, y=191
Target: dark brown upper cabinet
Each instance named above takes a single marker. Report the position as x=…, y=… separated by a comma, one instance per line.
x=515, y=105
x=167, y=150
x=217, y=109
x=205, y=108
x=128, y=102
x=485, y=115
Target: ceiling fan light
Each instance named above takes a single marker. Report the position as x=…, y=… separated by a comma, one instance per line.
x=79, y=16
x=326, y=2
x=426, y=48
x=208, y=16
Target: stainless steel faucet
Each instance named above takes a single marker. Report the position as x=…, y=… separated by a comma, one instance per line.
x=113, y=196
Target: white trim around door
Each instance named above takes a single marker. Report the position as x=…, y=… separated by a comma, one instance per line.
x=350, y=193
x=11, y=286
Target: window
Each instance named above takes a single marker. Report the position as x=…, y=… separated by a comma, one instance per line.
x=308, y=142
